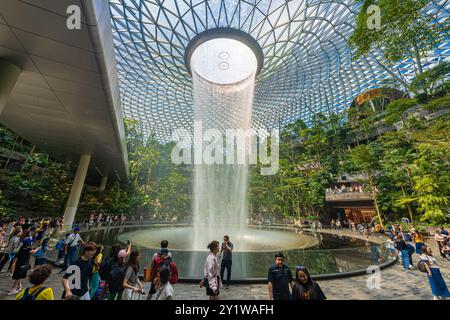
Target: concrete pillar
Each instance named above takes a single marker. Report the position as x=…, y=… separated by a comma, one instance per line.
x=9, y=73
x=75, y=192
x=103, y=184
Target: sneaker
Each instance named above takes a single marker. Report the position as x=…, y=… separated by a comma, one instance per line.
x=227, y=287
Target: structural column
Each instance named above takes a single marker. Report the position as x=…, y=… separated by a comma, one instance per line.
x=75, y=192
x=103, y=184
x=9, y=73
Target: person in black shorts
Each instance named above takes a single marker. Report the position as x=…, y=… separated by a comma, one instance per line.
x=279, y=279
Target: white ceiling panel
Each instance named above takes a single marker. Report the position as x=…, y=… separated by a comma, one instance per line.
x=43, y=22
x=57, y=51
x=63, y=71
x=59, y=102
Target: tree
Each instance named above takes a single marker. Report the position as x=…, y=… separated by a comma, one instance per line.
x=405, y=29
x=398, y=154
x=396, y=109
x=432, y=80
x=365, y=159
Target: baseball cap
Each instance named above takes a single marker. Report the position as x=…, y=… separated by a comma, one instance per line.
x=122, y=254
x=76, y=229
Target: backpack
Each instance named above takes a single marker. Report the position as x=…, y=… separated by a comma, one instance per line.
x=116, y=276
x=105, y=268
x=158, y=263
x=173, y=273
x=39, y=253
x=421, y=266
x=27, y=296
x=60, y=245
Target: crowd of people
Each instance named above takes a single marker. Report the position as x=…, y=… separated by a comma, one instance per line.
x=115, y=276
x=107, y=220
x=96, y=220
x=404, y=244
x=343, y=188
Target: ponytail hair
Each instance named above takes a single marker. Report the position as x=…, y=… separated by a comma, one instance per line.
x=213, y=245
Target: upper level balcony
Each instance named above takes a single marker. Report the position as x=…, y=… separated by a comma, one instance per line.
x=338, y=195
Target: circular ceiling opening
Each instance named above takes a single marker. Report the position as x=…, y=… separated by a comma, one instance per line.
x=224, y=56
x=223, y=61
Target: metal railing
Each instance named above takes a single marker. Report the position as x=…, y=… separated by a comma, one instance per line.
x=349, y=196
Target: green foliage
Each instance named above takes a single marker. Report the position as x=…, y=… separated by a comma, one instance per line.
x=408, y=167
x=364, y=158
x=396, y=108
x=405, y=28
x=432, y=80
x=431, y=179
x=438, y=104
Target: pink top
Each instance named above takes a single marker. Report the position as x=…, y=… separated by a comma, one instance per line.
x=211, y=270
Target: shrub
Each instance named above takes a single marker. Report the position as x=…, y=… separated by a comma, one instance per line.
x=437, y=104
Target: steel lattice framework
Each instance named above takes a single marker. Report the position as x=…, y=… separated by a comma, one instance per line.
x=308, y=67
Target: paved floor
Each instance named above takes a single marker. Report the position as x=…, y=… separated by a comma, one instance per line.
x=395, y=284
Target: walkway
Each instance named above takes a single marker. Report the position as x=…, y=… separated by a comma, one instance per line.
x=395, y=284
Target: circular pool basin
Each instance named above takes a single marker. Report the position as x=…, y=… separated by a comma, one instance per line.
x=324, y=254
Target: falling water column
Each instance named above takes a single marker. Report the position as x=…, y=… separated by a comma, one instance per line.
x=223, y=72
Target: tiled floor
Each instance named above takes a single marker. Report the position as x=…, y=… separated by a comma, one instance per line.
x=395, y=284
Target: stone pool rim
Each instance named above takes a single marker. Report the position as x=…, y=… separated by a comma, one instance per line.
x=347, y=274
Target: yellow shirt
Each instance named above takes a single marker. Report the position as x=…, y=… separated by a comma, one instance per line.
x=47, y=294
x=97, y=263
x=418, y=238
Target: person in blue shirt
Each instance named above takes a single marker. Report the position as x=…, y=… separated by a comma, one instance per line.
x=40, y=253
x=280, y=280
x=60, y=248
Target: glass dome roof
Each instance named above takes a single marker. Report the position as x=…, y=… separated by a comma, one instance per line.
x=307, y=68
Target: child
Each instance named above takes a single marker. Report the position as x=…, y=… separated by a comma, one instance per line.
x=390, y=246
x=60, y=248
x=446, y=251
x=165, y=289
x=40, y=253
x=38, y=291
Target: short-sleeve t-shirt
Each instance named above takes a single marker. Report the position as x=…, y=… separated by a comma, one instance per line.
x=164, y=292
x=73, y=239
x=13, y=243
x=85, y=274
x=418, y=238
x=280, y=279
x=131, y=276
x=46, y=294
x=227, y=255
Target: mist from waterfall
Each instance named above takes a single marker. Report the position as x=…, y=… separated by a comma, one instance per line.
x=223, y=85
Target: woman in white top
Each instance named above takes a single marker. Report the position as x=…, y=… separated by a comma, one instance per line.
x=211, y=279
x=437, y=283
